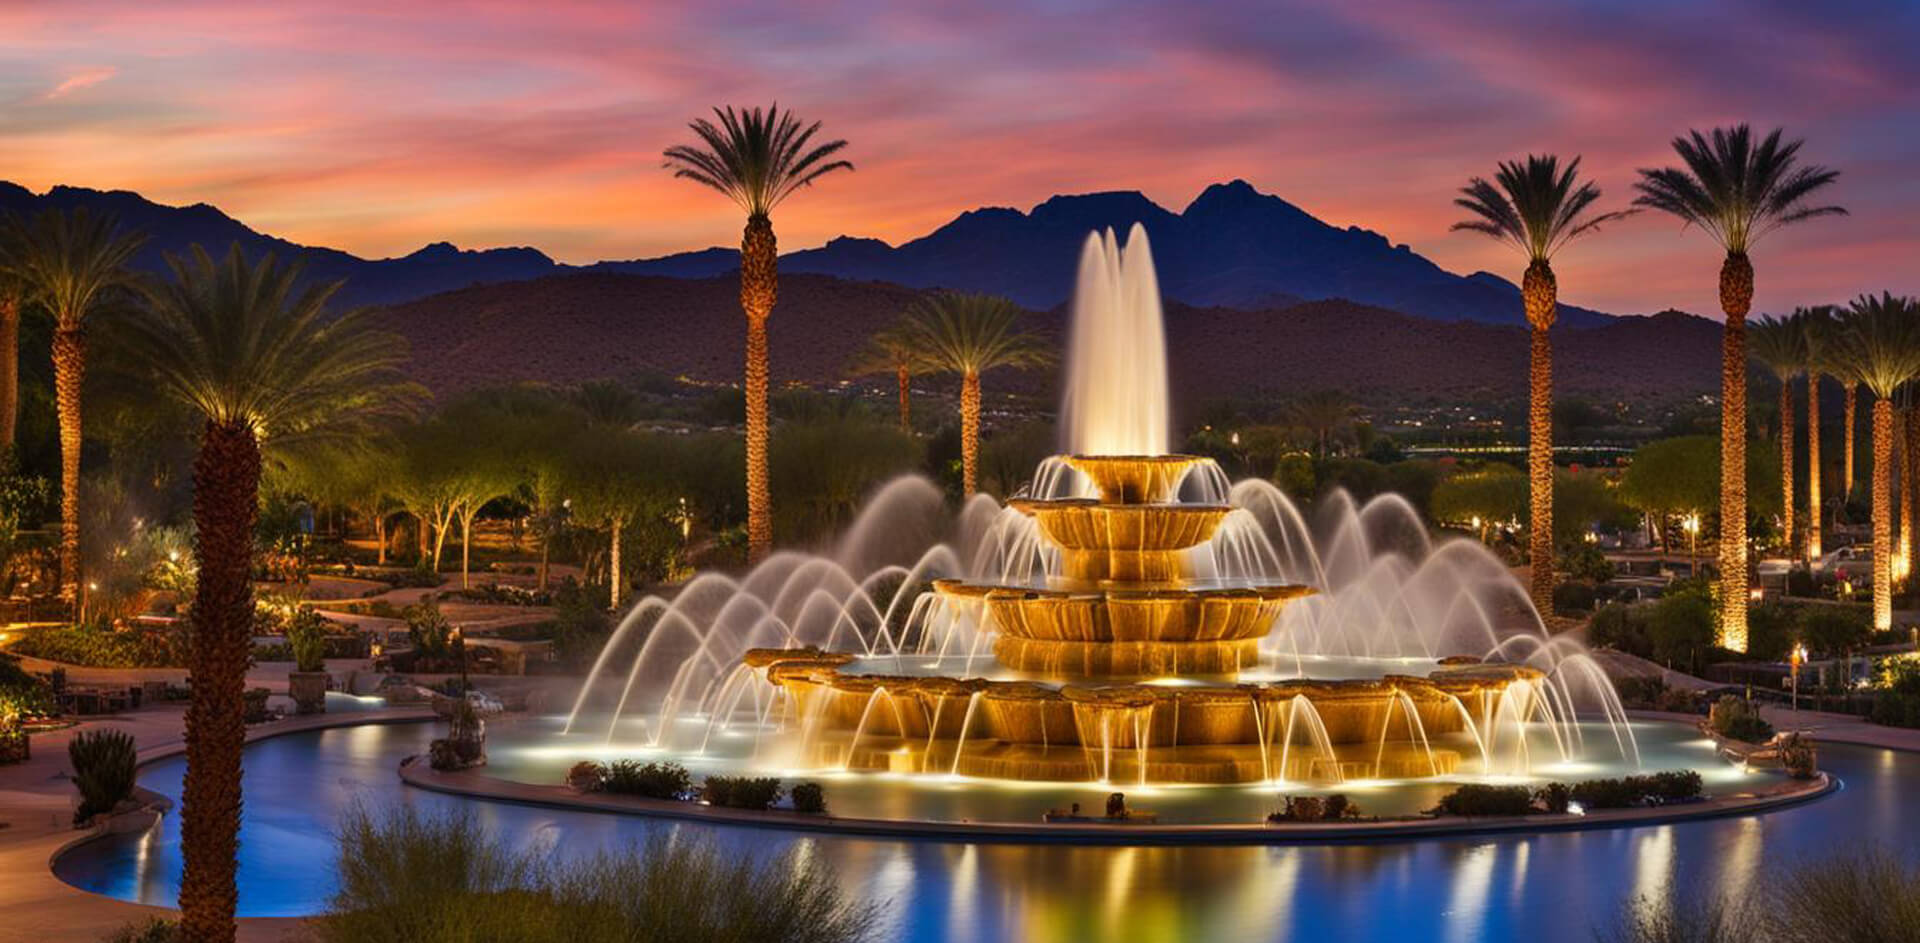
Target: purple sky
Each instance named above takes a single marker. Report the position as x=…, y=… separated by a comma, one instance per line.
x=378, y=127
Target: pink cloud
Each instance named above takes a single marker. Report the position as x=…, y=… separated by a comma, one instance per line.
x=85, y=78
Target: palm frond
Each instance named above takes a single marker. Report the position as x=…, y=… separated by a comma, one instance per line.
x=971, y=334
x=1780, y=344
x=1537, y=205
x=70, y=263
x=1879, y=340
x=757, y=158
x=1736, y=189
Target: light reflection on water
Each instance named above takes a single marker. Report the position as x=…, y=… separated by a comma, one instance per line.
x=1549, y=886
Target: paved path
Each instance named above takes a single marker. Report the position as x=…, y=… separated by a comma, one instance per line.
x=36, y=813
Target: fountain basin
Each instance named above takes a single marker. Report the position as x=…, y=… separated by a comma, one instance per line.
x=1135, y=479
x=1123, y=543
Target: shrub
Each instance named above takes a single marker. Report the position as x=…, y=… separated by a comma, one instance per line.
x=1479, y=799
x=1655, y=789
x=650, y=780
x=99, y=647
x=307, y=636
x=1739, y=719
x=103, y=770
x=407, y=878
x=154, y=930
x=23, y=694
x=587, y=776
x=1797, y=754
x=810, y=798
x=742, y=792
x=1835, y=630
x=256, y=709
x=1615, y=625
x=1554, y=797
x=1573, y=596
x=1587, y=563
x=1851, y=896
x=429, y=629
x=1680, y=627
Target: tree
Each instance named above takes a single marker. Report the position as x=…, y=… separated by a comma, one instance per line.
x=1880, y=337
x=13, y=296
x=260, y=360
x=73, y=265
x=1482, y=499
x=891, y=351
x=1816, y=326
x=1323, y=416
x=969, y=335
x=614, y=478
x=1737, y=191
x=1780, y=344
x=1537, y=207
x=1681, y=475
x=758, y=159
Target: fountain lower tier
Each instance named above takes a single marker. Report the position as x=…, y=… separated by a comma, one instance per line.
x=1303, y=730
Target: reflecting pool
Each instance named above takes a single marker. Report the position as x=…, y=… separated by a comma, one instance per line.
x=1550, y=886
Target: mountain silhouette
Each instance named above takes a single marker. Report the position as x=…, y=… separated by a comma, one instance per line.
x=1232, y=247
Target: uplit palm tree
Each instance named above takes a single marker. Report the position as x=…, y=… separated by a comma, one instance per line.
x=758, y=159
x=1537, y=207
x=1737, y=191
x=73, y=264
x=261, y=361
x=1880, y=337
x=891, y=351
x=1780, y=344
x=1322, y=416
x=969, y=335
x=1817, y=327
x=13, y=296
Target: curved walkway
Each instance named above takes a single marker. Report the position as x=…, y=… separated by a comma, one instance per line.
x=37, y=800
x=476, y=784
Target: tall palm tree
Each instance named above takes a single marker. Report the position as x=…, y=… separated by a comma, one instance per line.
x=1737, y=191
x=1537, y=207
x=758, y=159
x=891, y=351
x=1849, y=424
x=1817, y=328
x=1880, y=337
x=1322, y=415
x=1780, y=344
x=259, y=359
x=13, y=297
x=969, y=335
x=73, y=264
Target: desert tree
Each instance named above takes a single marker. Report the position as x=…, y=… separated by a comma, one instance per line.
x=969, y=334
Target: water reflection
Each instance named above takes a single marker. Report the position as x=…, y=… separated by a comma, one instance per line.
x=1440, y=890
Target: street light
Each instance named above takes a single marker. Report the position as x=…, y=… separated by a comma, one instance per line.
x=1799, y=658
x=1692, y=526
x=460, y=650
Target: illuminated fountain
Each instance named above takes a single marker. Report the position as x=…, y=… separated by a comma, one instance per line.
x=1130, y=617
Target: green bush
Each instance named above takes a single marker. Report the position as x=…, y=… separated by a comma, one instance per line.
x=307, y=636
x=650, y=780
x=1573, y=596
x=1587, y=563
x=1739, y=719
x=154, y=930
x=810, y=798
x=1680, y=628
x=1835, y=630
x=23, y=694
x=1480, y=799
x=100, y=647
x=406, y=878
x=103, y=770
x=1655, y=789
x=1618, y=626
x=742, y=792
x=429, y=629
x=1554, y=797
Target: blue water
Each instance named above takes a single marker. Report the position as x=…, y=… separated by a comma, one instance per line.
x=1546, y=887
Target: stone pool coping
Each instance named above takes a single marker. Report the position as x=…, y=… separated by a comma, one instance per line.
x=475, y=783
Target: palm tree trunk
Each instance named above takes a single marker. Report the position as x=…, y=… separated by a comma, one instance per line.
x=1897, y=485
x=759, y=287
x=1882, y=514
x=969, y=432
x=613, y=566
x=546, y=553
x=379, y=539
x=226, y=489
x=1814, y=509
x=1539, y=292
x=1846, y=449
x=1909, y=491
x=1736, y=298
x=1786, y=463
x=9, y=369
x=69, y=367
x=906, y=404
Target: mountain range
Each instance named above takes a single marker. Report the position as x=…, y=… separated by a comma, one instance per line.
x=1231, y=247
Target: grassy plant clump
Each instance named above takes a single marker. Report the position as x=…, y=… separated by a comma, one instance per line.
x=1477, y=799
x=1628, y=791
x=409, y=878
x=154, y=930
x=1853, y=896
x=647, y=780
x=741, y=792
x=810, y=798
x=103, y=770
x=1739, y=720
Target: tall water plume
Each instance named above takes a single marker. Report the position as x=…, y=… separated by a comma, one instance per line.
x=1116, y=378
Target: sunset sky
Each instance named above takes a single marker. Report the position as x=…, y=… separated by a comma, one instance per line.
x=379, y=127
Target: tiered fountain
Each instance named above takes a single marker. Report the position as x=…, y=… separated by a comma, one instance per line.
x=1146, y=623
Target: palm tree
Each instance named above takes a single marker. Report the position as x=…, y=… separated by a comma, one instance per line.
x=1850, y=424
x=1780, y=344
x=1880, y=337
x=260, y=360
x=1737, y=191
x=1537, y=207
x=1322, y=416
x=758, y=159
x=1817, y=327
x=969, y=335
x=13, y=296
x=891, y=351
x=73, y=264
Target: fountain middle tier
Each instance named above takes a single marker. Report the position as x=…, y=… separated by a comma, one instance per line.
x=1302, y=730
